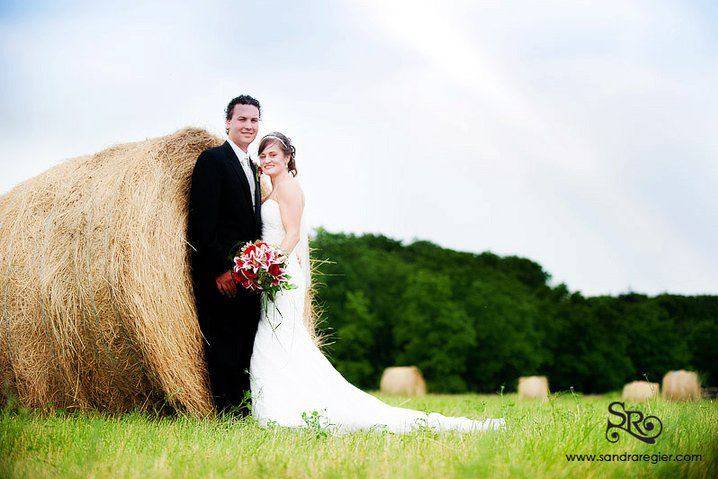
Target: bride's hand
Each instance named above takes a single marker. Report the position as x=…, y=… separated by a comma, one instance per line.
x=281, y=255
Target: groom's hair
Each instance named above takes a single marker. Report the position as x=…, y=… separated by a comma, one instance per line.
x=241, y=100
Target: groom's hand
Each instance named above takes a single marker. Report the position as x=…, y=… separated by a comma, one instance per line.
x=226, y=285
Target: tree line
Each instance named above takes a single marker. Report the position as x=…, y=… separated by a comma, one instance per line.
x=477, y=322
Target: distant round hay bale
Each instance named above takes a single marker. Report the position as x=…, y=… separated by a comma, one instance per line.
x=681, y=386
x=533, y=387
x=639, y=391
x=96, y=306
x=403, y=381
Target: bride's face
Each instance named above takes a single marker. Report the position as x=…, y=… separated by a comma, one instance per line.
x=273, y=160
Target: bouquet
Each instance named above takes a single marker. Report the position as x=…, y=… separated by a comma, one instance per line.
x=261, y=267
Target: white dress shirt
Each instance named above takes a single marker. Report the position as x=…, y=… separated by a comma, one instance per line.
x=244, y=161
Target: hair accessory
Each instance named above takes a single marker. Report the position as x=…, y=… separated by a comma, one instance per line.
x=276, y=138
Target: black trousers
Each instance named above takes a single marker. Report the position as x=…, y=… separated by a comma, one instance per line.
x=228, y=326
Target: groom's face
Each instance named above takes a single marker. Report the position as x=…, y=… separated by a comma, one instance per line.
x=244, y=124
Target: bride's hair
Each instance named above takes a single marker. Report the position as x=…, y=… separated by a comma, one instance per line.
x=285, y=144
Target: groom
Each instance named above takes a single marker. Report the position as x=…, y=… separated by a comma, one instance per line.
x=224, y=212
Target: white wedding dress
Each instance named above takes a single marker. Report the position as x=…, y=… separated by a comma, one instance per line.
x=292, y=382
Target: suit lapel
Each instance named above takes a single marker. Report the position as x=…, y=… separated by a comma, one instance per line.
x=237, y=168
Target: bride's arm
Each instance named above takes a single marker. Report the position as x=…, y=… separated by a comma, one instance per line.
x=291, y=205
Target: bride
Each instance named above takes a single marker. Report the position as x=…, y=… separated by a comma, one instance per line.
x=292, y=382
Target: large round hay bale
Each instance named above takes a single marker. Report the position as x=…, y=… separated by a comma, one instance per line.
x=95, y=298
x=533, y=387
x=639, y=391
x=681, y=386
x=403, y=381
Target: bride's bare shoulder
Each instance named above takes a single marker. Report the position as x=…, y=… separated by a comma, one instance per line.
x=291, y=192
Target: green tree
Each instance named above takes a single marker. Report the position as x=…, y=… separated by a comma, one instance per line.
x=509, y=339
x=654, y=343
x=433, y=332
x=358, y=336
x=478, y=321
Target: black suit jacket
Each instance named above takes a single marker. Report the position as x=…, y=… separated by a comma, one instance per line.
x=221, y=216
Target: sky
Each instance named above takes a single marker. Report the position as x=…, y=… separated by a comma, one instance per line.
x=578, y=134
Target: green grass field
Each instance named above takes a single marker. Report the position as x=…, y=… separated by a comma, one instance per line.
x=538, y=438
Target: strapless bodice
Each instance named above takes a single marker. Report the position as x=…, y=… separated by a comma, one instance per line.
x=273, y=233
x=272, y=227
